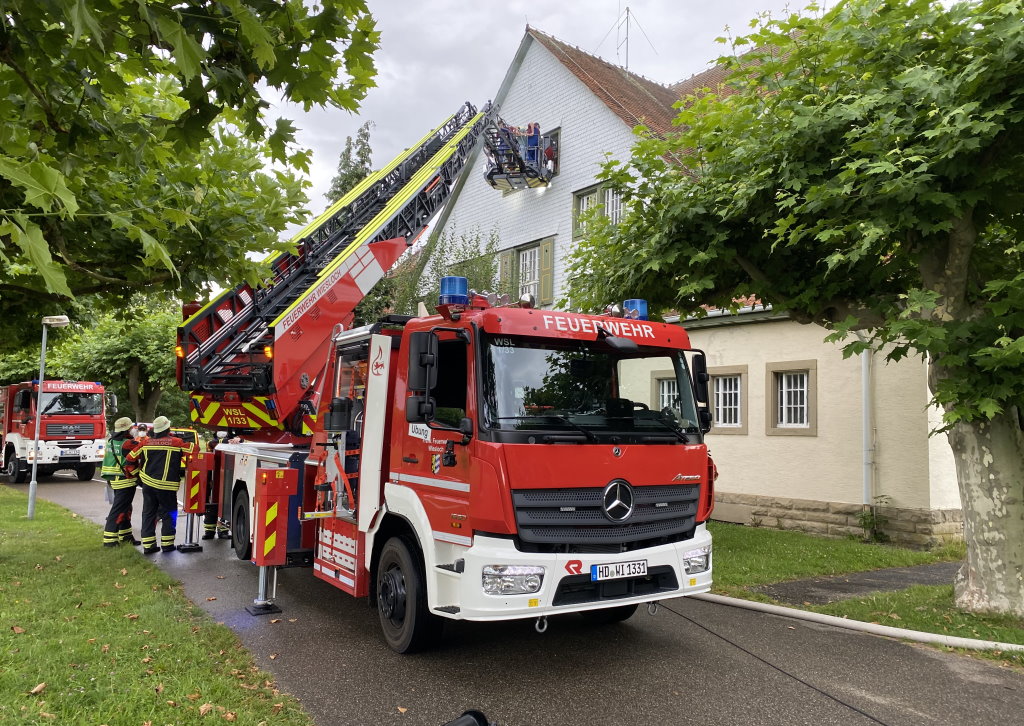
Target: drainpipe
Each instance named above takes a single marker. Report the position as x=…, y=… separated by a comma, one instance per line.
x=867, y=434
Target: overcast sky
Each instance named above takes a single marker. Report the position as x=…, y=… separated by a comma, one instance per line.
x=437, y=54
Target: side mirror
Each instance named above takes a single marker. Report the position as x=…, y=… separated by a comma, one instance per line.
x=23, y=401
x=466, y=429
x=112, y=403
x=422, y=361
x=700, y=378
x=419, y=409
x=704, y=415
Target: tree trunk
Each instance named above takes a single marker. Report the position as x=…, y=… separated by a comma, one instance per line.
x=133, y=391
x=990, y=468
x=151, y=397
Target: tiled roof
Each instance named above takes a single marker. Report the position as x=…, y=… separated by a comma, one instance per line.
x=634, y=99
x=711, y=78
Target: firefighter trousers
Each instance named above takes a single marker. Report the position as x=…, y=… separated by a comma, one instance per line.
x=118, y=527
x=159, y=504
x=212, y=526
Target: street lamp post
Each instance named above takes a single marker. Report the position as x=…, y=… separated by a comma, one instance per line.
x=54, y=321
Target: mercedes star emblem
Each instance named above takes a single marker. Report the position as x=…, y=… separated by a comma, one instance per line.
x=617, y=501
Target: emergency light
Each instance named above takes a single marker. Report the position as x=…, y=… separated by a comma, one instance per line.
x=454, y=291
x=635, y=309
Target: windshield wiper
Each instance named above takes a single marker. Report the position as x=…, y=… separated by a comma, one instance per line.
x=590, y=435
x=679, y=434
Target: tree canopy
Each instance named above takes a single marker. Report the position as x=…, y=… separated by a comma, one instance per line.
x=133, y=138
x=860, y=169
x=129, y=350
x=354, y=163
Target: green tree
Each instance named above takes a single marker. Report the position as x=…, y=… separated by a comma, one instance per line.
x=861, y=170
x=354, y=164
x=129, y=350
x=418, y=276
x=133, y=138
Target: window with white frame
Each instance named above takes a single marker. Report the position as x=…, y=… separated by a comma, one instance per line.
x=791, y=399
x=612, y=206
x=583, y=201
x=791, y=405
x=727, y=391
x=529, y=271
x=668, y=391
x=729, y=400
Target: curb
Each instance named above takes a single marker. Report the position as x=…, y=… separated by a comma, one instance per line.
x=884, y=630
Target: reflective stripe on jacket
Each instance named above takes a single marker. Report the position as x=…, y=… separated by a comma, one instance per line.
x=115, y=467
x=161, y=462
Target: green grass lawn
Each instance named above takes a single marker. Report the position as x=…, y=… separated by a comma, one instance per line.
x=100, y=636
x=750, y=556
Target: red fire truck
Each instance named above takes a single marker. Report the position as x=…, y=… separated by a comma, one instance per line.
x=73, y=428
x=489, y=462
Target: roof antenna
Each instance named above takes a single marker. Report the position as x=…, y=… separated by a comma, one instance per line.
x=623, y=41
x=625, y=18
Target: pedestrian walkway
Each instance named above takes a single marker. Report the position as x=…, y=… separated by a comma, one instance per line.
x=825, y=590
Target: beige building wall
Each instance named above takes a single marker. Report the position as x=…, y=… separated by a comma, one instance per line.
x=825, y=462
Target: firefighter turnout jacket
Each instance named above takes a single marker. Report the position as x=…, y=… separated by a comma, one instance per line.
x=116, y=469
x=161, y=461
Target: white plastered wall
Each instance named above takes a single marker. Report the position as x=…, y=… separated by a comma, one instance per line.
x=542, y=90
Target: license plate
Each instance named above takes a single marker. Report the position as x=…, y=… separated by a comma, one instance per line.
x=618, y=570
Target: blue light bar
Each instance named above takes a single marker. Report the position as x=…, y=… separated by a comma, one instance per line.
x=454, y=291
x=636, y=305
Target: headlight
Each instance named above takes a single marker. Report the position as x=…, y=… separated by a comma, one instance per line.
x=698, y=560
x=512, y=579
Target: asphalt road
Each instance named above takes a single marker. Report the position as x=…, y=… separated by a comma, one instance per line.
x=692, y=663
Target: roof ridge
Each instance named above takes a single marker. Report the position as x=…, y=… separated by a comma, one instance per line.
x=625, y=70
x=562, y=50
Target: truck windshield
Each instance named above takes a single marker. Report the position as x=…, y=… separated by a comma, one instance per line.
x=72, y=404
x=587, y=388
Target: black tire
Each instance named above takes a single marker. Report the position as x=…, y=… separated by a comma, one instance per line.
x=240, y=528
x=406, y=623
x=12, y=469
x=85, y=472
x=607, y=616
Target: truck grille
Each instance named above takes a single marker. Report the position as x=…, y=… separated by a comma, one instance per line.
x=547, y=517
x=85, y=430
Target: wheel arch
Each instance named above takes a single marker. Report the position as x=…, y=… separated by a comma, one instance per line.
x=391, y=525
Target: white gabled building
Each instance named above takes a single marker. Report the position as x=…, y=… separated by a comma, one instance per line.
x=803, y=438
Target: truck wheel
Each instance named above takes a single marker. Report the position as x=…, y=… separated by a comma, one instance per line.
x=86, y=471
x=402, y=599
x=608, y=616
x=240, y=527
x=12, y=469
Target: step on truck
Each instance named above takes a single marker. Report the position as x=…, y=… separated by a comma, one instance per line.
x=72, y=434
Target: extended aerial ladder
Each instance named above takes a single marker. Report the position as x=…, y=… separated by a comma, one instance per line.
x=252, y=358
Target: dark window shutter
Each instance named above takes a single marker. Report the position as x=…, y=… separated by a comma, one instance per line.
x=547, y=272
x=505, y=273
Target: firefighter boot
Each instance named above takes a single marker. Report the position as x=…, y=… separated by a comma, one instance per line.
x=150, y=550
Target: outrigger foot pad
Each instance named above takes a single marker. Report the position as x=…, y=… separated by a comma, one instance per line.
x=265, y=609
x=190, y=547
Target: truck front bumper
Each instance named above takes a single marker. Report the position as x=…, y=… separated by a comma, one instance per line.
x=567, y=584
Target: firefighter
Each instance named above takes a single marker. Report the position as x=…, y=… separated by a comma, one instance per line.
x=122, y=480
x=161, y=465
x=212, y=526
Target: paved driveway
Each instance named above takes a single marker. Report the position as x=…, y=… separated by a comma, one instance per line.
x=692, y=663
